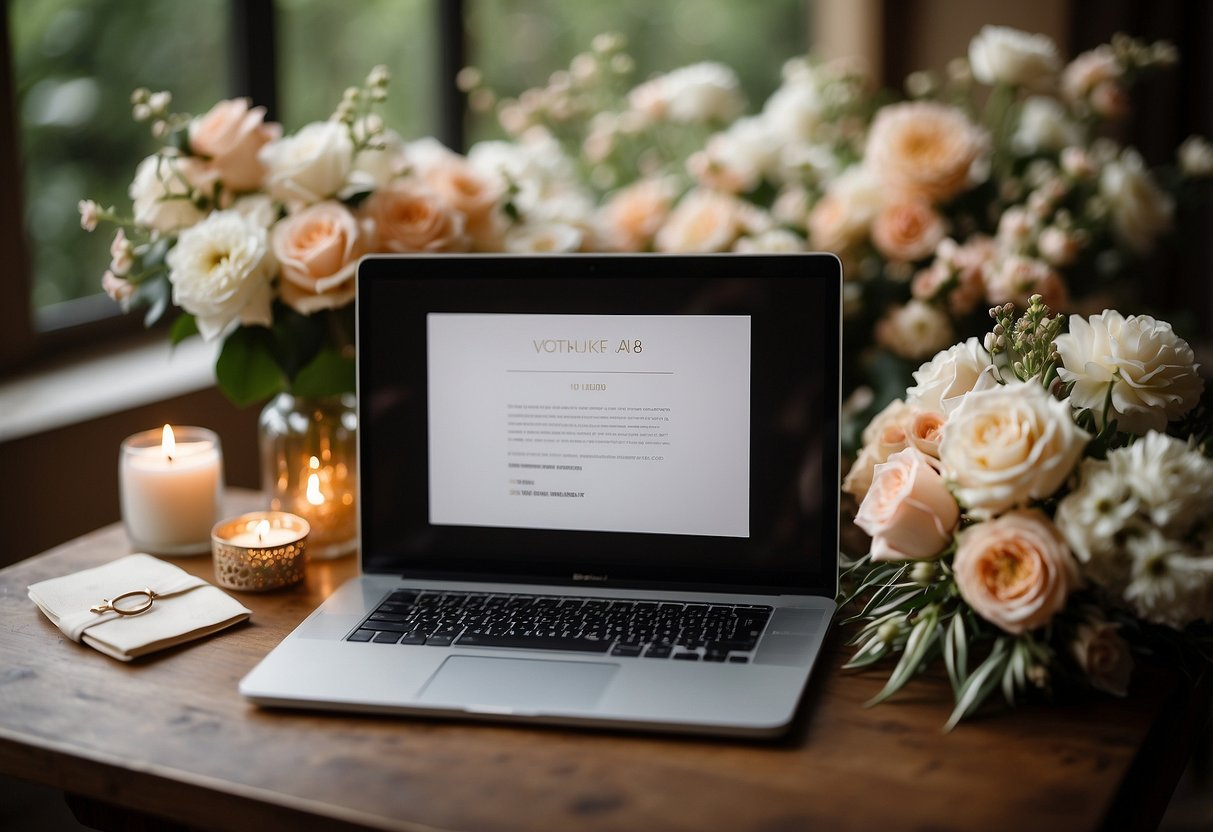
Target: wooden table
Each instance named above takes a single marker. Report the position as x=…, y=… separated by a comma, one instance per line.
x=170, y=736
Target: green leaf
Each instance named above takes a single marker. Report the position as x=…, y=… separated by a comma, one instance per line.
x=924, y=634
x=246, y=370
x=978, y=687
x=328, y=374
x=184, y=327
x=956, y=653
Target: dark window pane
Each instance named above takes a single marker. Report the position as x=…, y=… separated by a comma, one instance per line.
x=76, y=62
x=325, y=46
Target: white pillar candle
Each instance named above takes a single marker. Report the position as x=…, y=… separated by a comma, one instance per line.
x=171, y=485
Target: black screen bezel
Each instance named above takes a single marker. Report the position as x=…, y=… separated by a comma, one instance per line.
x=396, y=292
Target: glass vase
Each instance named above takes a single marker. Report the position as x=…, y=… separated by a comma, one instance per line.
x=309, y=466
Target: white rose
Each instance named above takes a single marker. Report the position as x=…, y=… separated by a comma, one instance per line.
x=542, y=239
x=736, y=159
x=1009, y=445
x=794, y=112
x=1140, y=210
x=703, y=221
x=1150, y=370
x=942, y=383
x=1001, y=55
x=162, y=194
x=310, y=166
x=772, y=241
x=1044, y=125
x=914, y=330
x=695, y=94
x=220, y=271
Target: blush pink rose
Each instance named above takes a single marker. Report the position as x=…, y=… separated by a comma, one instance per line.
x=907, y=230
x=908, y=511
x=475, y=195
x=317, y=251
x=230, y=137
x=408, y=216
x=1015, y=571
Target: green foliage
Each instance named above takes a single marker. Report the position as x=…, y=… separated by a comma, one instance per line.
x=246, y=370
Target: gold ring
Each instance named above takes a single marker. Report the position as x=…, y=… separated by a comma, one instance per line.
x=106, y=604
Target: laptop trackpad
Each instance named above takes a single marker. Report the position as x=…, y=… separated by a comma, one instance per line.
x=517, y=685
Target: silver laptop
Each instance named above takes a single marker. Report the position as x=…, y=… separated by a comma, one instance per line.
x=594, y=490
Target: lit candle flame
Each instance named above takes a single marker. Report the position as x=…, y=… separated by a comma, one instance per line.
x=262, y=528
x=313, y=489
x=168, y=443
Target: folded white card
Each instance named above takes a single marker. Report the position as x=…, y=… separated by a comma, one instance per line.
x=182, y=606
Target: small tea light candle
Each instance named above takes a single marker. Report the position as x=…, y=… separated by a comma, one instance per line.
x=260, y=550
x=170, y=484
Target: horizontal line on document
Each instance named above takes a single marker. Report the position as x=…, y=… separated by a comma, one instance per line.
x=602, y=372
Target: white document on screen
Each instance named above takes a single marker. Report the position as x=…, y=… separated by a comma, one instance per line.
x=629, y=423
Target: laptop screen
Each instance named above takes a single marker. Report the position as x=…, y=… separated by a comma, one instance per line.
x=615, y=420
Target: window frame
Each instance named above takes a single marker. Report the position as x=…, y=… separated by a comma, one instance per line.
x=28, y=335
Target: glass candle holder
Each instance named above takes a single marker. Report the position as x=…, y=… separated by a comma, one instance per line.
x=309, y=467
x=259, y=551
x=170, y=486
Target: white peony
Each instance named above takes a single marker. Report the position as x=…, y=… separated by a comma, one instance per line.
x=1137, y=368
x=220, y=271
x=1001, y=55
x=1140, y=209
x=310, y=166
x=1044, y=125
x=707, y=92
x=942, y=383
x=1007, y=446
x=162, y=194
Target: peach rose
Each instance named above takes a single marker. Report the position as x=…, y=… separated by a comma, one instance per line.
x=908, y=511
x=632, y=216
x=703, y=221
x=1104, y=656
x=907, y=230
x=842, y=218
x=230, y=137
x=885, y=435
x=1016, y=278
x=915, y=330
x=408, y=216
x=927, y=149
x=473, y=194
x=1015, y=571
x=318, y=250
x=926, y=429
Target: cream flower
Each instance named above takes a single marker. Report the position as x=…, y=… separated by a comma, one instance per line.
x=1172, y=481
x=220, y=271
x=941, y=384
x=771, y=241
x=1008, y=445
x=1136, y=368
x=703, y=221
x=1015, y=571
x=1016, y=278
x=318, y=250
x=907, y=230
x=632, y=216
x=1044, y=124
x=886, y=434
x=843, y=216
x=928, y=149
x=475, y=195
x=1195, y=157
x=1104, y=656
x=230, y=136
x=1088, y=71
x=407, y=216
x=1001, y=55
x=163, y=195
x=914, y=330
x=706, y=92
x=908, y=512
x=543, y=239
x=1141, y=211
x=310, y=166
x=736, y=159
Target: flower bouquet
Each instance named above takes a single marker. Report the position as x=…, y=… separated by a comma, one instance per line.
x=1036, y=505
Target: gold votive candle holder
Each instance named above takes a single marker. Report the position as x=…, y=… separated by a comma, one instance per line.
x=260, y=551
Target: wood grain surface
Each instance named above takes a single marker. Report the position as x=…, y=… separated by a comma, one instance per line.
x=169, y=735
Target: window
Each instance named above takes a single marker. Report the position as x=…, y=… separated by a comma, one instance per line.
x=67, y=68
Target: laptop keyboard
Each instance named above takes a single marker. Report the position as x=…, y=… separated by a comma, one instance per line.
x=645, y=629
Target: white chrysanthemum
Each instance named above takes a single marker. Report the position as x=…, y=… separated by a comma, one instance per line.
x=1137, y=366
x=1002, y=55
x=1094, y=515
x=1004, y=447
x=941, y=383
x=1169, y=585
x=1173, y=481
x=220, y=270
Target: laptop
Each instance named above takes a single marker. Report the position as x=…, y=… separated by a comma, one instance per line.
x=594, y=490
